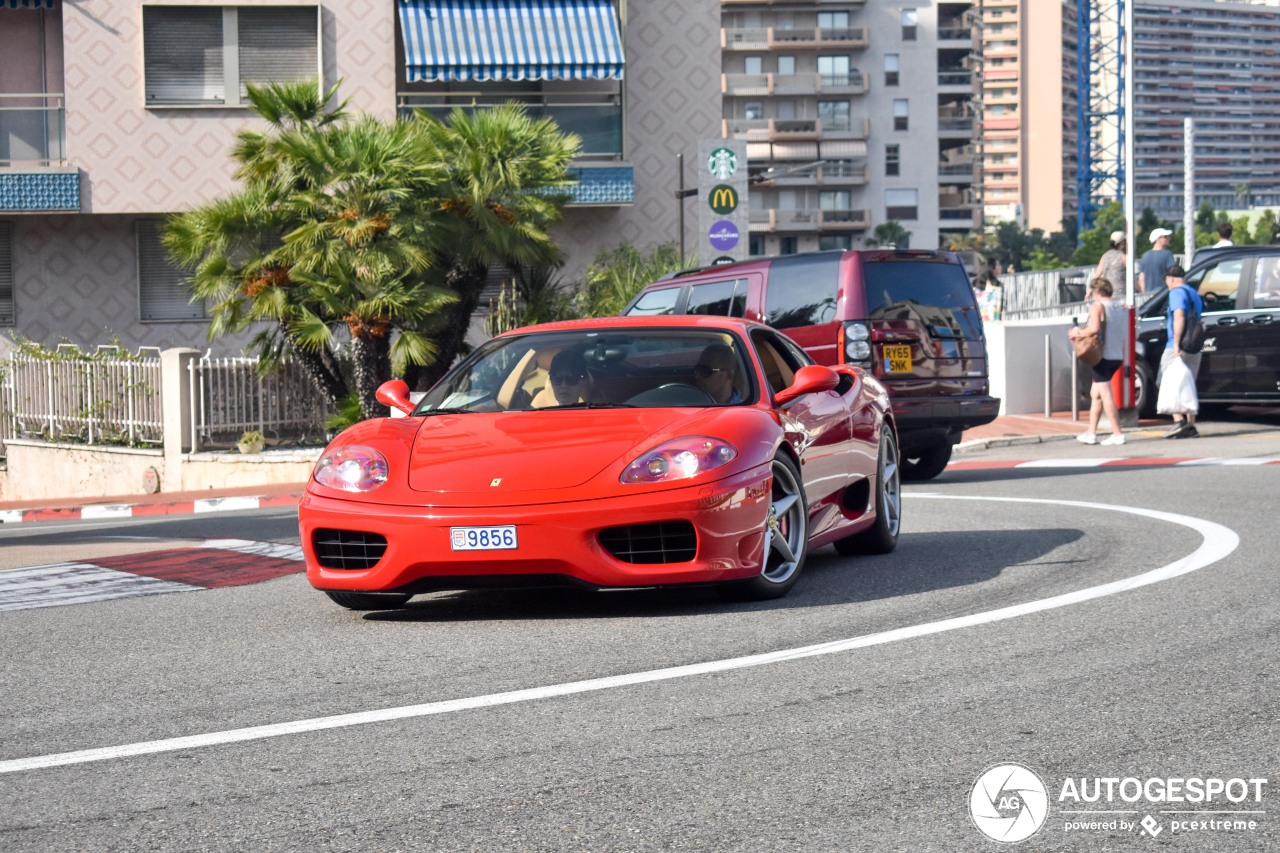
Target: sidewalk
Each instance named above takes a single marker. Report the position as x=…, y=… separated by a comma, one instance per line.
x=1003, y=431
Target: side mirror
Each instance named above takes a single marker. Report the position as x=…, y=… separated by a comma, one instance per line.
x=810, y=379
x=395, y=394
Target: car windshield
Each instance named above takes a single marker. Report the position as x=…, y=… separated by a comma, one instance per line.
x=596, y=368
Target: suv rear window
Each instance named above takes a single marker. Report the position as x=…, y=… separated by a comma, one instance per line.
x=937, y=294
x=802, y=290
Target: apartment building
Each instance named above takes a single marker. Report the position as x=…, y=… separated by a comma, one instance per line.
x=1216, y=63
x=116, y=113
x=854, y=115
x=1028, y=133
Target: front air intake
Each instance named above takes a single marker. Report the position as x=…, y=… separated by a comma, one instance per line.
x=348, y=549
x=648, y=544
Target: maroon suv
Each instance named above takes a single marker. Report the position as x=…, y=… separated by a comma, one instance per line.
x=908, y=317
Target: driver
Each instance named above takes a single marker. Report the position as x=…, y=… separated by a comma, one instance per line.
x=715, y=372
x=568, y=383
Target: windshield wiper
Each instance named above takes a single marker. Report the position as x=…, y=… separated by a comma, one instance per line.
x=457, y=411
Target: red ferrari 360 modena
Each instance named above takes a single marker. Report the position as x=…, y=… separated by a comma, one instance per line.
x=618, y=452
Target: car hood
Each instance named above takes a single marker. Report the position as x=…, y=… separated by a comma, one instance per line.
x=497, y=454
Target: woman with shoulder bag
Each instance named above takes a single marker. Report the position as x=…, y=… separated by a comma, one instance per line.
x=1108, y=321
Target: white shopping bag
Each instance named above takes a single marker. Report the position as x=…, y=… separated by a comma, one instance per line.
x=1177, y=390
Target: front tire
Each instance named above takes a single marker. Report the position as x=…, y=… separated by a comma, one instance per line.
x=786, y=537
x=881, y=537
x=368, y=600
x=927, y=464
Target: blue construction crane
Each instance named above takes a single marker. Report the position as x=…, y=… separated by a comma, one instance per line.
x=1100, y=107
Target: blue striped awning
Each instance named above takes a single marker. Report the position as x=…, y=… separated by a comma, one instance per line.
x=511, y=40
x=27, y=4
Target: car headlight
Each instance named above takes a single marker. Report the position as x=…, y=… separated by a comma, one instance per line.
x=352, y=469
x=679, y=459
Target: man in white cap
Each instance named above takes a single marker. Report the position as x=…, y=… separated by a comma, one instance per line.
x=1156, y=261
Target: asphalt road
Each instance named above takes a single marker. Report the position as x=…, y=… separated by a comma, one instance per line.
x=1001, y=631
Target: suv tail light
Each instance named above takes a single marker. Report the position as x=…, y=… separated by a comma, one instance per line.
x=855, y=343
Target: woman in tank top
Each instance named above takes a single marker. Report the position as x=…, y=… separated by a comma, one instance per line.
x=1110, y=320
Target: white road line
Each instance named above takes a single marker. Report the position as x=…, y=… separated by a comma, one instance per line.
x=1219, y=541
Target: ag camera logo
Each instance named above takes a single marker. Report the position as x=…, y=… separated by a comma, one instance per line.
x=1008, y=803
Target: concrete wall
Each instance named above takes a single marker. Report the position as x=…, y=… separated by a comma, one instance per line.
x=39, y=471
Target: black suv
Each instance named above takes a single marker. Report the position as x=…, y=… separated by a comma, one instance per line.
x=1240, y=286
x=907, y=317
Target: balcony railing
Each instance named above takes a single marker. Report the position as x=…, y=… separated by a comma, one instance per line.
x=955, y=78
x=782, y=130
x=597, y=119
x=32, y=130
x=848, y=83
x=784, y=37
x=808, y=219
x=955, y=33
x=844, y=220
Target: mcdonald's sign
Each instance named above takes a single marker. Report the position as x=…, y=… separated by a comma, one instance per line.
x=723, y=199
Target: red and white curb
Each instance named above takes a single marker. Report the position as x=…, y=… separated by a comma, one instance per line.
x=1112, y=462
x=213, y=564
x=109, y=511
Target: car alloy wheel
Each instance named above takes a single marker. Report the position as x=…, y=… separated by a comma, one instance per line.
x=882, y=536
x=786, y=531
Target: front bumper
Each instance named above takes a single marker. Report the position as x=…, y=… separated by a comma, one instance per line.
x=557, y=541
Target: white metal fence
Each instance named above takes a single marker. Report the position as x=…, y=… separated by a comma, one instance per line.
x=228, y=397
x=106, y=397
x=114, y=398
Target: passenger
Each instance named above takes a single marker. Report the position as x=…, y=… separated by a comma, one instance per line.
x=716, y=372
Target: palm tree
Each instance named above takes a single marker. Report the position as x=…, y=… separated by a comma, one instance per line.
x=333, y=228
x=506, y=180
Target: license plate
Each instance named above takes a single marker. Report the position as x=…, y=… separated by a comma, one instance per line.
x=501, y=538
x=897, y=358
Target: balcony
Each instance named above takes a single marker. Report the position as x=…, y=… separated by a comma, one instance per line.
x=955, y=126
x=792, y=130
x=813, y=37
x=33, y=173
x=596, y=118
x=808, y=220
x=746, y=85
x=32, y=130
x=844, y=220
x=955, y=78
x=956, y=34
x=955, y=173
x=786, y=3
x=744, y=38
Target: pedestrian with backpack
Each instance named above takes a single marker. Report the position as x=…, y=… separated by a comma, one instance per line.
x=1186, y=337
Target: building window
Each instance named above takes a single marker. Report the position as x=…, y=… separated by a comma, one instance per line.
x=834, y=70
x=909, y=24
x=891, y=69
x=834, y=115
x=835, y=200
x=786, y=65
x=753, y=65
x=892, y=160
x=204, y=55
x=833, y=242
x=753, y=110
x=901, y=111
x=901, y=204
x=786, y=245
x=164, y=292
x=829, y=21
x=6, y=274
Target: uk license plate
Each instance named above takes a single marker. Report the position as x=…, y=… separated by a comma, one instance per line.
x=497, y=538
x=897, y=358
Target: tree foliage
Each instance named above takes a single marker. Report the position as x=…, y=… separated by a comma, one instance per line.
x=618, y=274
x=377, y=233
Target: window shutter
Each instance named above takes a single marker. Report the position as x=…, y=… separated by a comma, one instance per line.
x=183, y=47
x=163, y=289
x=6, y=274
x=278, y=44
